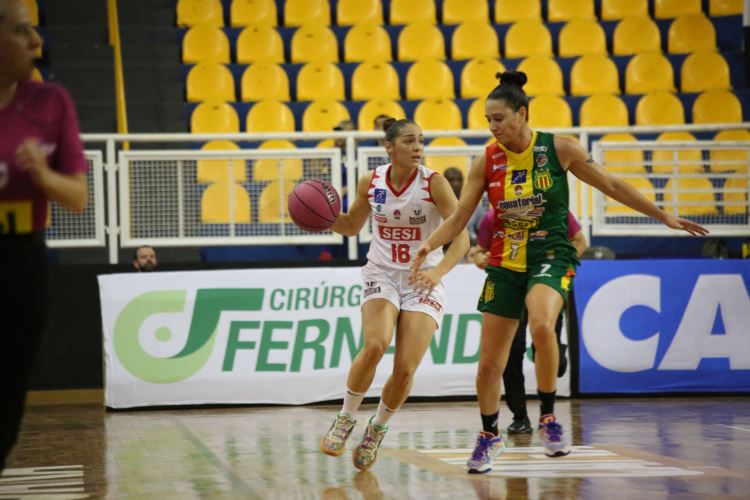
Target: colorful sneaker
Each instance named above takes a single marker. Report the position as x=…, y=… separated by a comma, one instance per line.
x=334, y=442
x=554, y=440
x=366, y=452
x=487, y=448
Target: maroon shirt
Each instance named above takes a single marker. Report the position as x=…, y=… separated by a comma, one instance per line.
x=484, y=235
x=44, y=112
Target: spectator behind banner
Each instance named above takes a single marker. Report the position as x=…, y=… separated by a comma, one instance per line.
x=144, y=259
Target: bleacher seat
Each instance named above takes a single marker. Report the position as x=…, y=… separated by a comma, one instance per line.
x=429, y=80
x=252, y=12
x=208, y=81
x=263, y=81
x=413, y=11
x=649, y=72
x=269, y=116
x=603, y=110
x=320, y=80
x=631, y=160
x=420, y=41
x=614, y=10
x=215, y=204
x=373, y=108
x=510, y=11
x=593, y=74
x=475, y=117
x=272, y=207
x=549, y=111
x=666, y=9
x=691, y=33
x=725, y=7
x=643, y=185
x=478, y=77
x=565, y=10
x=367, y=42
x=207, y=43
x=32, y=8
x=659, y=108
x=314, y=43
x=695, y=196
x=461, y=11
x=372, y=80
x=259, y=43
x=272, y=169
x=195, y=12
x=474, y=39
x=634, y=35
x=581, y=37
x=353, y=12
x=438, y=114
x=528, y=37
x=717, y=106
x=544, y=76
x=689, y=161
x=439, y=163
x=323, y=115
x=218, y=170
x=307, y=12
x=741, y=156
x=735, y=196
x=214, y=117
x=702, y=71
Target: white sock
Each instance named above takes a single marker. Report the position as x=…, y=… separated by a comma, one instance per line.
x=352, y=400
x=383, y=415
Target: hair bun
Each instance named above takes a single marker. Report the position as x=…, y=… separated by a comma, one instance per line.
x=388, y=122
x=512, y=78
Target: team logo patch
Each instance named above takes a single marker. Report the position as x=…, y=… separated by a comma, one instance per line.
x=431, y=302
x=380, y=196
x=419, y=217
x=397, y=214
x=489, y=291
x=543, y=180
x=518, y=177
x=370, y=288
x=4, y=175
x=541, y=160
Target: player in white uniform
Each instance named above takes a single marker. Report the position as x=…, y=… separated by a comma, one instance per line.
x=407, y=202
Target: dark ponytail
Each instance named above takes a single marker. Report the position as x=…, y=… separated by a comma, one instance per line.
x=511, y=91
x=392, y=127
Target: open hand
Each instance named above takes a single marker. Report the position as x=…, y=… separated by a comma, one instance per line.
x=685, y=225
x=417, y=261
x=427, y=280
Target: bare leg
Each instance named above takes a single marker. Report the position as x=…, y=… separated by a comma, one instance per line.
x=497, y=337
x=378, y=319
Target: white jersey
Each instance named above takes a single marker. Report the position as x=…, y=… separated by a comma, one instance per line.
x=402, y=220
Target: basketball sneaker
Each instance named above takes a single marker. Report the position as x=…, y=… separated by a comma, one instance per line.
x=334, y=442
x=487, y=448
x=520, y=426
x=366, y=452
x=554, y=440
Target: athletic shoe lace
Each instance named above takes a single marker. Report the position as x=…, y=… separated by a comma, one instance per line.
x=372, y=437
x=341, y=428
x=483, y=444
x=554, y=431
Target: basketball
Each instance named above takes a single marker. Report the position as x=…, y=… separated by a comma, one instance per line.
x=314, y=205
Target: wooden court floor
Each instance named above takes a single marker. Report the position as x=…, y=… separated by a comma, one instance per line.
x=624, y=448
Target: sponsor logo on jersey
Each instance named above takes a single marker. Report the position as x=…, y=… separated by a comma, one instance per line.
x=541, y=160
x=517, y=236
x=431, y=302
x=500, y=235
x=379, y=196
x=489, y=291
x=520, y=224
x=4, y=175
x=378, y=208
x=497, y=167
x=550, y=254
x=419, y=217
x=400, y=233
x=518, y=190
x=518, y=177
x=538, y=235
x=397, y=214
x=543, y=180
x=529, y=207
x=540, y=149
x=495, y=184
x=370, y=288
x=380, y=219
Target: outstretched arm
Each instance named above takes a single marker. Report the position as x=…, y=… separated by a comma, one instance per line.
x=351, y=223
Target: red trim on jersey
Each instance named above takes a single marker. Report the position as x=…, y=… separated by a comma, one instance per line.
x=406, y=184
x=375, y=175
x=429, y=189
x=493, y=154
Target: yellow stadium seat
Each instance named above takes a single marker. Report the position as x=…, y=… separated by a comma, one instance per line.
x=549, y=111
x=544, y=76
x=253, y=12
x=351, y=12
x=735, y=196
x=215, y=204
x=478, y=77
x=691, y=33
x=372, y=80
x=474, y=39
x=260, y=43
x=528, y=37
x=32, y=8
x=643, y=185
x=314, y=43
x=267, y=169
x=36, y=75
x=376, y=107
x=307, y=12
x=649, y=72
x=263, y=81
x=438, y=114
x=564, y=10
x=623, y=162
x=420, y=41
x=269, y=116
x=634, y=35
x=603, y=110
x=205, y=43
x=475, y=117
x=439, y=163
x=717, y=106
x=214, y=117
x=218, y=170
x=413, y=11
x=665, y=9
x=320, y=80
x=195, y=12
x=367, y=42
x=323, y=115
x=703, y=71
x=429, y=80
x=510, y=11
x=580, y=37
x=724, y=7
x=614, y=10
x=461, y=11
x=689, y=161
x=593, y=74
x=695, y=196
x=659, y=108
x=210, y=81
x=740, y=157
x=272, y=207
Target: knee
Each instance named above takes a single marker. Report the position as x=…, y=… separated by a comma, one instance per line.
x=542, y=334
x=372, y=352
x=489, y=372
x=402, y=377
